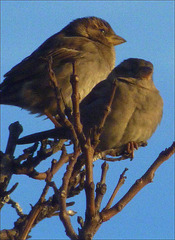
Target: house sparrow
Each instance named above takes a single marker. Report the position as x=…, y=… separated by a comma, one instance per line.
x=89, y=42
x=135, y=113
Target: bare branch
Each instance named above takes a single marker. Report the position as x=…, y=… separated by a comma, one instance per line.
x=101, y=187
x=75, y=103
x=119, y=184
x=63, y=196
x=89, y=186
x=15, y=130
x=74, y=177
x=16, y=206
x=64, y=121
x=37, y=208
x=139, y=184
x=105, y=114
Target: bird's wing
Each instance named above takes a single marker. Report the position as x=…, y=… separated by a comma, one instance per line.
x=60, y=49
x=93, y=108
x=96, y=93
x=93, y=105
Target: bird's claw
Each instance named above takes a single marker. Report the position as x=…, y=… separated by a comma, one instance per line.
x=131, y=146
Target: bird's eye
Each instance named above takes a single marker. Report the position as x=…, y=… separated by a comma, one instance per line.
x=102, y=30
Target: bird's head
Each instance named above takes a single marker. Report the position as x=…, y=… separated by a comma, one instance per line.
x=135, y=68
x=95, y=29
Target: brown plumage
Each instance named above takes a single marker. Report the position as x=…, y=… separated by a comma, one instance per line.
x=135, y=113
x=88, y=41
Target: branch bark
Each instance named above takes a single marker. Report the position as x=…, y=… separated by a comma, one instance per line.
x=139, y=184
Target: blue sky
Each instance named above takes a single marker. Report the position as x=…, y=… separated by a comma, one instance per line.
x=148, y=27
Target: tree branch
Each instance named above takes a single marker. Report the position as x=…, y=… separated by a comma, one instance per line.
x=63, y=196
x=101, y=186
x=139, y=184
x=37, y=208
x=119, y=184
x=75, y=103
x=15, y=130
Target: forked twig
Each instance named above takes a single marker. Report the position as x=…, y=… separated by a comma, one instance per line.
x=37, y=208
x=64, y=121
x=139, y=184
x=119, y=184
x=65, y=218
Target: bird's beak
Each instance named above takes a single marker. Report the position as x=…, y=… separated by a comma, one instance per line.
x=116, y=40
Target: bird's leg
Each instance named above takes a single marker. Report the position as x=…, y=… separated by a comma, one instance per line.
x=55, y=122
x=131, y=146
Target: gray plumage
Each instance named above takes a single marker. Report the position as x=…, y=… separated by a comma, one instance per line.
x=87, y=41
x=136, y=109
x=135, y=113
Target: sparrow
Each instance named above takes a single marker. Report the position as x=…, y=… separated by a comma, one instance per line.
x=88, y=42
x=136, y=110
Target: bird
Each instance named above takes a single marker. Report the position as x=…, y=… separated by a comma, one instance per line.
x=87, y=42
x=136, y=110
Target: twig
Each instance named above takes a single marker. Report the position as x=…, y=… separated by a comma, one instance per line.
x=139, y=184
x=119, y=184
x=7, y=160
x=28, y=152
x=105, y=167
x=86, y=147
x=28, y=166
x=37, y=208
x=16, y=206
x=101, y=186
x=105, y=114
x=80, y=181
x=63, y=119
x=89, y=153
x=56, y=89
x=9, y=191
x=53, y=119
x=65, y=218
x=15, y=130
x=89, y=185
x=90, y=228
x=75, y=103
x=57, y=165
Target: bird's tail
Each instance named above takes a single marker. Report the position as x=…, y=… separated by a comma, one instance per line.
x=10, y=95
